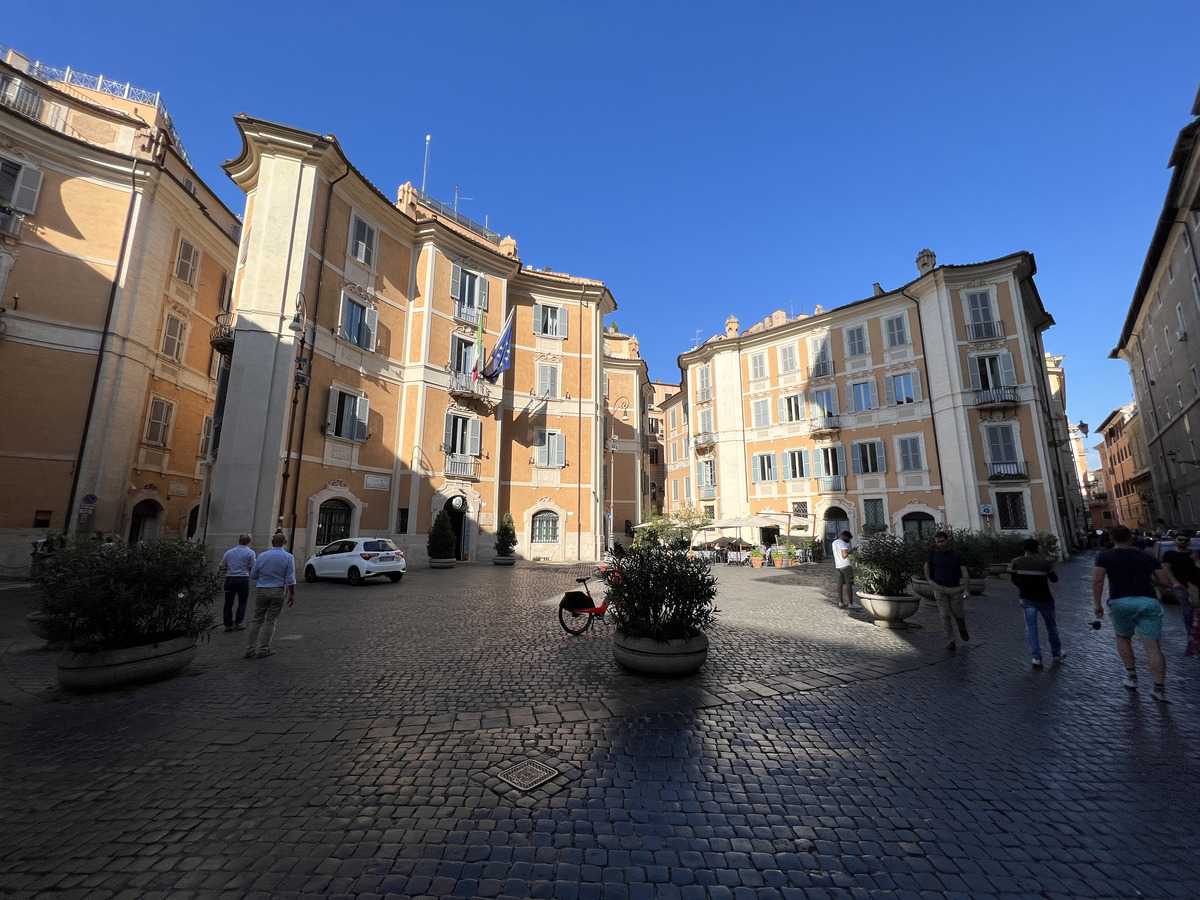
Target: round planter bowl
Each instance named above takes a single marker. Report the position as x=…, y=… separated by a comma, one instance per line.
x=442, y=563
x=39, y=624
x=976, y=586
x=664, y=659
x=890, y=612
x=922, y=588
x=107, y=669
x=504, y=560
x=997, y=569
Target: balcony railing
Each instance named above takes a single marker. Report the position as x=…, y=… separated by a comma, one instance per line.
x=466, y=313
x=985, y=331
x=465, y=383
x=460, y=465
x=449, y=212
x=10, y=223
x=821, y=369
x=707, y=491
x=824, y=423
x=832, y=482
x=221, y=337
x=1008, y=471
x=703, y=395
x=704, y=437
x=998, y=396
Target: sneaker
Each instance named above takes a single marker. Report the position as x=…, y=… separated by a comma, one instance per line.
x=1037, y=663
x=238, y=626
x=855, y=606
x=950, y=645
x=962, y=633
x=266, y=651
x=1130, y=682
x=843, y=606
x=250, y=654
x=228, y=628
x=1060, y=656
x=1160, y=696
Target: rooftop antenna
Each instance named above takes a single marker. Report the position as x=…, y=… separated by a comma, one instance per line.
x=425, y=171
x=696, y=341
x=457, y=198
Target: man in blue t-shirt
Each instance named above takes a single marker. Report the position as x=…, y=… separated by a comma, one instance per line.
x=1132, y=606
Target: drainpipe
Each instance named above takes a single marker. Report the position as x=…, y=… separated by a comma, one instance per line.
x=312, y=351
x=579, y=430
x=122, y=263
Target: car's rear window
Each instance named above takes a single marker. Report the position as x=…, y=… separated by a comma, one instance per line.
x=378, y=545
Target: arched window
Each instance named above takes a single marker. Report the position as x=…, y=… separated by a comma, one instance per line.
x=333, y=522
x=545, y=527
x=919, y=524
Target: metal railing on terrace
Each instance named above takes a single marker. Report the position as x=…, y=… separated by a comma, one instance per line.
x=1016, y=470
x=985, y=331
x=996, y=396
x=466, y=313
x=832, y=482
x=454, y=215
x=821, y=368
x=460, y=465
x=100, y=84
x=703, y=395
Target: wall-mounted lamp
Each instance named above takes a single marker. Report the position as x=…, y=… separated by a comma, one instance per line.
x=1173, y=456
x=300, y=319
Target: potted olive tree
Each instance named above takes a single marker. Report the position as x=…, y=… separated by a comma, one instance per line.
x=883, y=570
x=440, y=545
x=506, y=541
x=131, y=613
x=662, y=603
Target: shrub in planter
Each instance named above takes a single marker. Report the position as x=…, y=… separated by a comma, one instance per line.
x=883, y=565
x=506, y=536
x=112, y=597
x=660, y=594
x=440, y=544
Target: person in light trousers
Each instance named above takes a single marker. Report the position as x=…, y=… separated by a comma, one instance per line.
x=274, y=575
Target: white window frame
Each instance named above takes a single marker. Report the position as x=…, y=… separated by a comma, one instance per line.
x=687, y=487
x=762, y=468
x=159, y=420
x=544, y=527
x=27, y=185
x=347, y=420
x=549, y=381
x=550, y=448
x=856, y=340
x=187, y=263
x=367, y=326
x=550, y=320
x=758, y=366
x=872, y=400
x=364, y=241
x=761, y=412
x=789, y=359
x=675, y=490
x=174, y=338
x=462, y=435
x=896, y=330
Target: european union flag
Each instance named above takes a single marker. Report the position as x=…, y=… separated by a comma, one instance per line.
x=501, y=353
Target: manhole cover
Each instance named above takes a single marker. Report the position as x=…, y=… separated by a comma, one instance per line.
x=525, y=776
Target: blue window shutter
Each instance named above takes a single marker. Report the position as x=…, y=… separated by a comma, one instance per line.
x=881, y=455
x=840, y=455
x=448, y=436
x=856, y=458
x=755, y=467
x=916, y=382
x=973, y=369
x=819, y=463
x=805, y=464
x=1008, y=372
x=889, y=390
x=778, y=467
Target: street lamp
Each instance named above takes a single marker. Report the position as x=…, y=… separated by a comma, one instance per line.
x=1082, y=428
x=1173, y=456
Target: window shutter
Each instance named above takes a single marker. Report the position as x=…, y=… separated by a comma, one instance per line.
x=699, y=474
x=786, y=466
x=973, y=368
x=1008, y=372
x=781, y=410
x=25, y=196
x=562, y=322
x=539, y=446
x=543, y=387
x=483, y=291
x=537, y=319
x=755, y=468
x=839, y=454
x=833, y=401
x=856, y=451
x=819, y=463
x=778, y=467
x=916, y=383
x=473, y=437
x=805, y=465
x=455, y=281
x=881, y=455
x=448, y=436
x=331, y=413
x=849, y=398
x=889, y=388
x=873, y=394
x=362, y=409
x=560, y=450
x=372, y=322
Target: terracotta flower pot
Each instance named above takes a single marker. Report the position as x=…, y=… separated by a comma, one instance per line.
x=756, y=561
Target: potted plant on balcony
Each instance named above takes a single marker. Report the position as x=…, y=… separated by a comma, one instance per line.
x=883, y=569
x=131, y=613
x=662, y=604
x=440, y=545
x=506, y=541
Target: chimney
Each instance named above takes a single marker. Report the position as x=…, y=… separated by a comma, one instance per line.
x=731, y=327
x=926, y=261
x=878, y=290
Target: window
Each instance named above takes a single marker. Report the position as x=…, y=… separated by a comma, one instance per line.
x=605, y=384
x=158, y=425
x=863, y=393
x=687, y=487
x=800, y=508
x=461, y=435
x=1010, y=507
x=402, y=520
x=762, y=467
x=226, y=295
x=1157, y=361
x=1182, y=321
x=897, y=333
x=822, y=359
x=214, y=365
x=359, y=322
x=868, y=458
x=703, y=384
x=873, y=514
x=549, y=321
x=545, y=527
x=824, y=402
x=791, y=408
x=919, y=525
x=654, y=460
x=856, y=341
x=362, y=243
x=673, y=421
x=902, y=389
x=788, y=361
x=1170, y=271
x=206, y=436
x=829, y=461
x=172, y=343
x=1167, y=340
x=982, y=322
x=1195, y=380
x=758, y=366
x=1196, y=289
x=674, y=451
x=468, y=289
x=1002, y=446
x=710, y=511
x=187, y=263
x=910, y=454
x=462, y=355
x=675, y=489
x=762, y=413
x=706, y=473
x=20, y=185
x=547, y=375
x=706, y=421
x=795, y=464
x=992, y=371
x=41, y=518
x=550, y=448
x=347, y=415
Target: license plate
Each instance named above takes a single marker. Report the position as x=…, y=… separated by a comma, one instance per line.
x=385, y=559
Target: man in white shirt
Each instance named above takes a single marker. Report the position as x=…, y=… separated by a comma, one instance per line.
x=237, y=563
x=845, y=571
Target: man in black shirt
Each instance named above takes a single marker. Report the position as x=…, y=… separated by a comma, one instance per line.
x=1180, y=570
x=948, y=576
x=1032, y=575
x=1132, y=606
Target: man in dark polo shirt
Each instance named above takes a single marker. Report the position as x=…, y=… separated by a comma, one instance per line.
x=1132, y=606
x=946, y=574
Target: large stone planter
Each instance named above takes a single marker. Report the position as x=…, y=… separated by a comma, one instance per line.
x=665, y=659
x=997, y=569
x=922, y=588
x=504, y=560
x=106, y=669
x=890, y=612
x=39, y=624
x=976, y=586
x=442, y=563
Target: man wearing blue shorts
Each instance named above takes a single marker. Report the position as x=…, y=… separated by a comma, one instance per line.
x=1132, y=606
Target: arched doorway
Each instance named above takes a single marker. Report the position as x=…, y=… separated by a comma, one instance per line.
x=145, y=522
x=919, y=524
x=193, y=522
x=836, y=521
x=333, y=522
x=456, y=509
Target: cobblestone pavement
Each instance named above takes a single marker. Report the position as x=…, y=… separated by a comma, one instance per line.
x=814, y=756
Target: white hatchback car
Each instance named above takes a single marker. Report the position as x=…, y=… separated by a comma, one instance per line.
x=355, y=559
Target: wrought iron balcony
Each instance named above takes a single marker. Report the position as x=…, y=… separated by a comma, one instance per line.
x=707, y=491
x=832, y=483
x=985, y=331
x=821, y=369
x=466, y=313
x=997, y=396
x=11, y=222
x=1008, y=471
x=222, y=335
x=818, y=424
x=460, y=465
x=463, y=384
x=703, y=395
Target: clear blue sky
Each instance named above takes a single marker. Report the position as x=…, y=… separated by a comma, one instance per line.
x=705, y=159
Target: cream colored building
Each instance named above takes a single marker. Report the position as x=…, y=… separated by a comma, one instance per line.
x=1128, y=496
x=655, y=447
x=353, y=406
x=115, y=263
x=626, y=396
x=917, y=407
